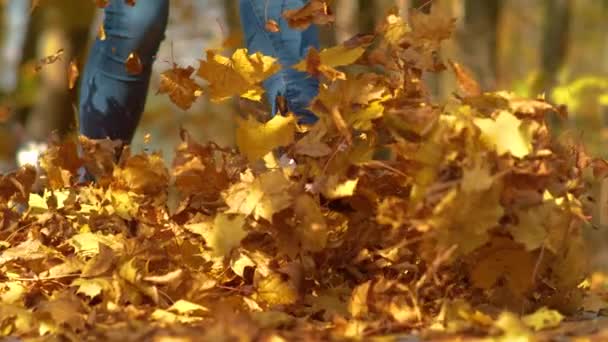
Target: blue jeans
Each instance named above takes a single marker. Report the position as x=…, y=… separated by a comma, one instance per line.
x=112, y=100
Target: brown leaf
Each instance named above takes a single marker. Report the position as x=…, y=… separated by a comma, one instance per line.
x=182, y=89
x=133, y=64
x=272, y=26
x=49, y=60
x=466, y=82
x=101, y=32
x=73, y=74
x=314, y=12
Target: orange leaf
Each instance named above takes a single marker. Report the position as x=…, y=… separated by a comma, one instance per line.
x=182, y=89
x=314, y=12
x=133, y=64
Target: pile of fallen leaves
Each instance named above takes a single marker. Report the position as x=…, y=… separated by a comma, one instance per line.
x=392, y=214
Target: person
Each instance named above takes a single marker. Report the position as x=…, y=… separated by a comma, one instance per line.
x=112, y=99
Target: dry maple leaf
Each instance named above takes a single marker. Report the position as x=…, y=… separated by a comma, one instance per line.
x=73, y=74
x=49, y=60
x=272, y=26
x=182, y=89
x=239, y=75
x=261, y=196
x=133, y=64
x=313, y=12
x=466, y=82
x=256, y=139
x=101, y=32
x=144, y=174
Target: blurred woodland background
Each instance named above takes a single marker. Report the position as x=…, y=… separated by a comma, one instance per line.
x=554, y=47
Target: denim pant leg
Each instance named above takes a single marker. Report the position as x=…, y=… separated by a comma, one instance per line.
x=112, y=99
x=289, y=46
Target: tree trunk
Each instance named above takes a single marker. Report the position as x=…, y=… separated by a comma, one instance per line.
x=231, y=12
x=555, y=44
x=61, y=24
x=480, y=39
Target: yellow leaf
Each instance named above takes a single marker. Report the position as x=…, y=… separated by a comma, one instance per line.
x=91, y=287
x=171, y=318
x=478, y=177
x=40, y=203
x=124, y=203
x=183, y=306
x=335, y=189
x=357, y=306
x=543, y=318
x=394, y=28
x=261, y=197
x=362, y=119
x=88, y=243
x=336, y=56
x=226, y=234
x=464, y=218
x=507, y=134
x=256, y=67
x=513, y=329
x=133, y=276
x=274, y=290
x=256, y=139
x=312, y=230
x=530, y=229
x=12, y=292
x=238, y=75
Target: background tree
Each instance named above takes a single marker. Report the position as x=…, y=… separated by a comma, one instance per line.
x=54, y=25
x=557, y=20
x=479, y=39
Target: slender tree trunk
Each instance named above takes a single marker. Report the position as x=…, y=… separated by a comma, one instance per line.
x=367, y=16
x=231, y=12
x=480, y=39
x=62, y=24
x=555, y=44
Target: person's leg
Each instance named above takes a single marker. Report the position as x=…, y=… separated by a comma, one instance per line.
x=111, y=98
x=288, y=45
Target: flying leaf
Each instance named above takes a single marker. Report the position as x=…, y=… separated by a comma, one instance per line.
x=261, y=197
x=239, y=75
x=466, y=82
x=333, y=57
x=133, y=64
x=272, y=26
x=182, y=89
x=507, y=133
x=313, y=12
x=256, y=139
x=73, y=74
